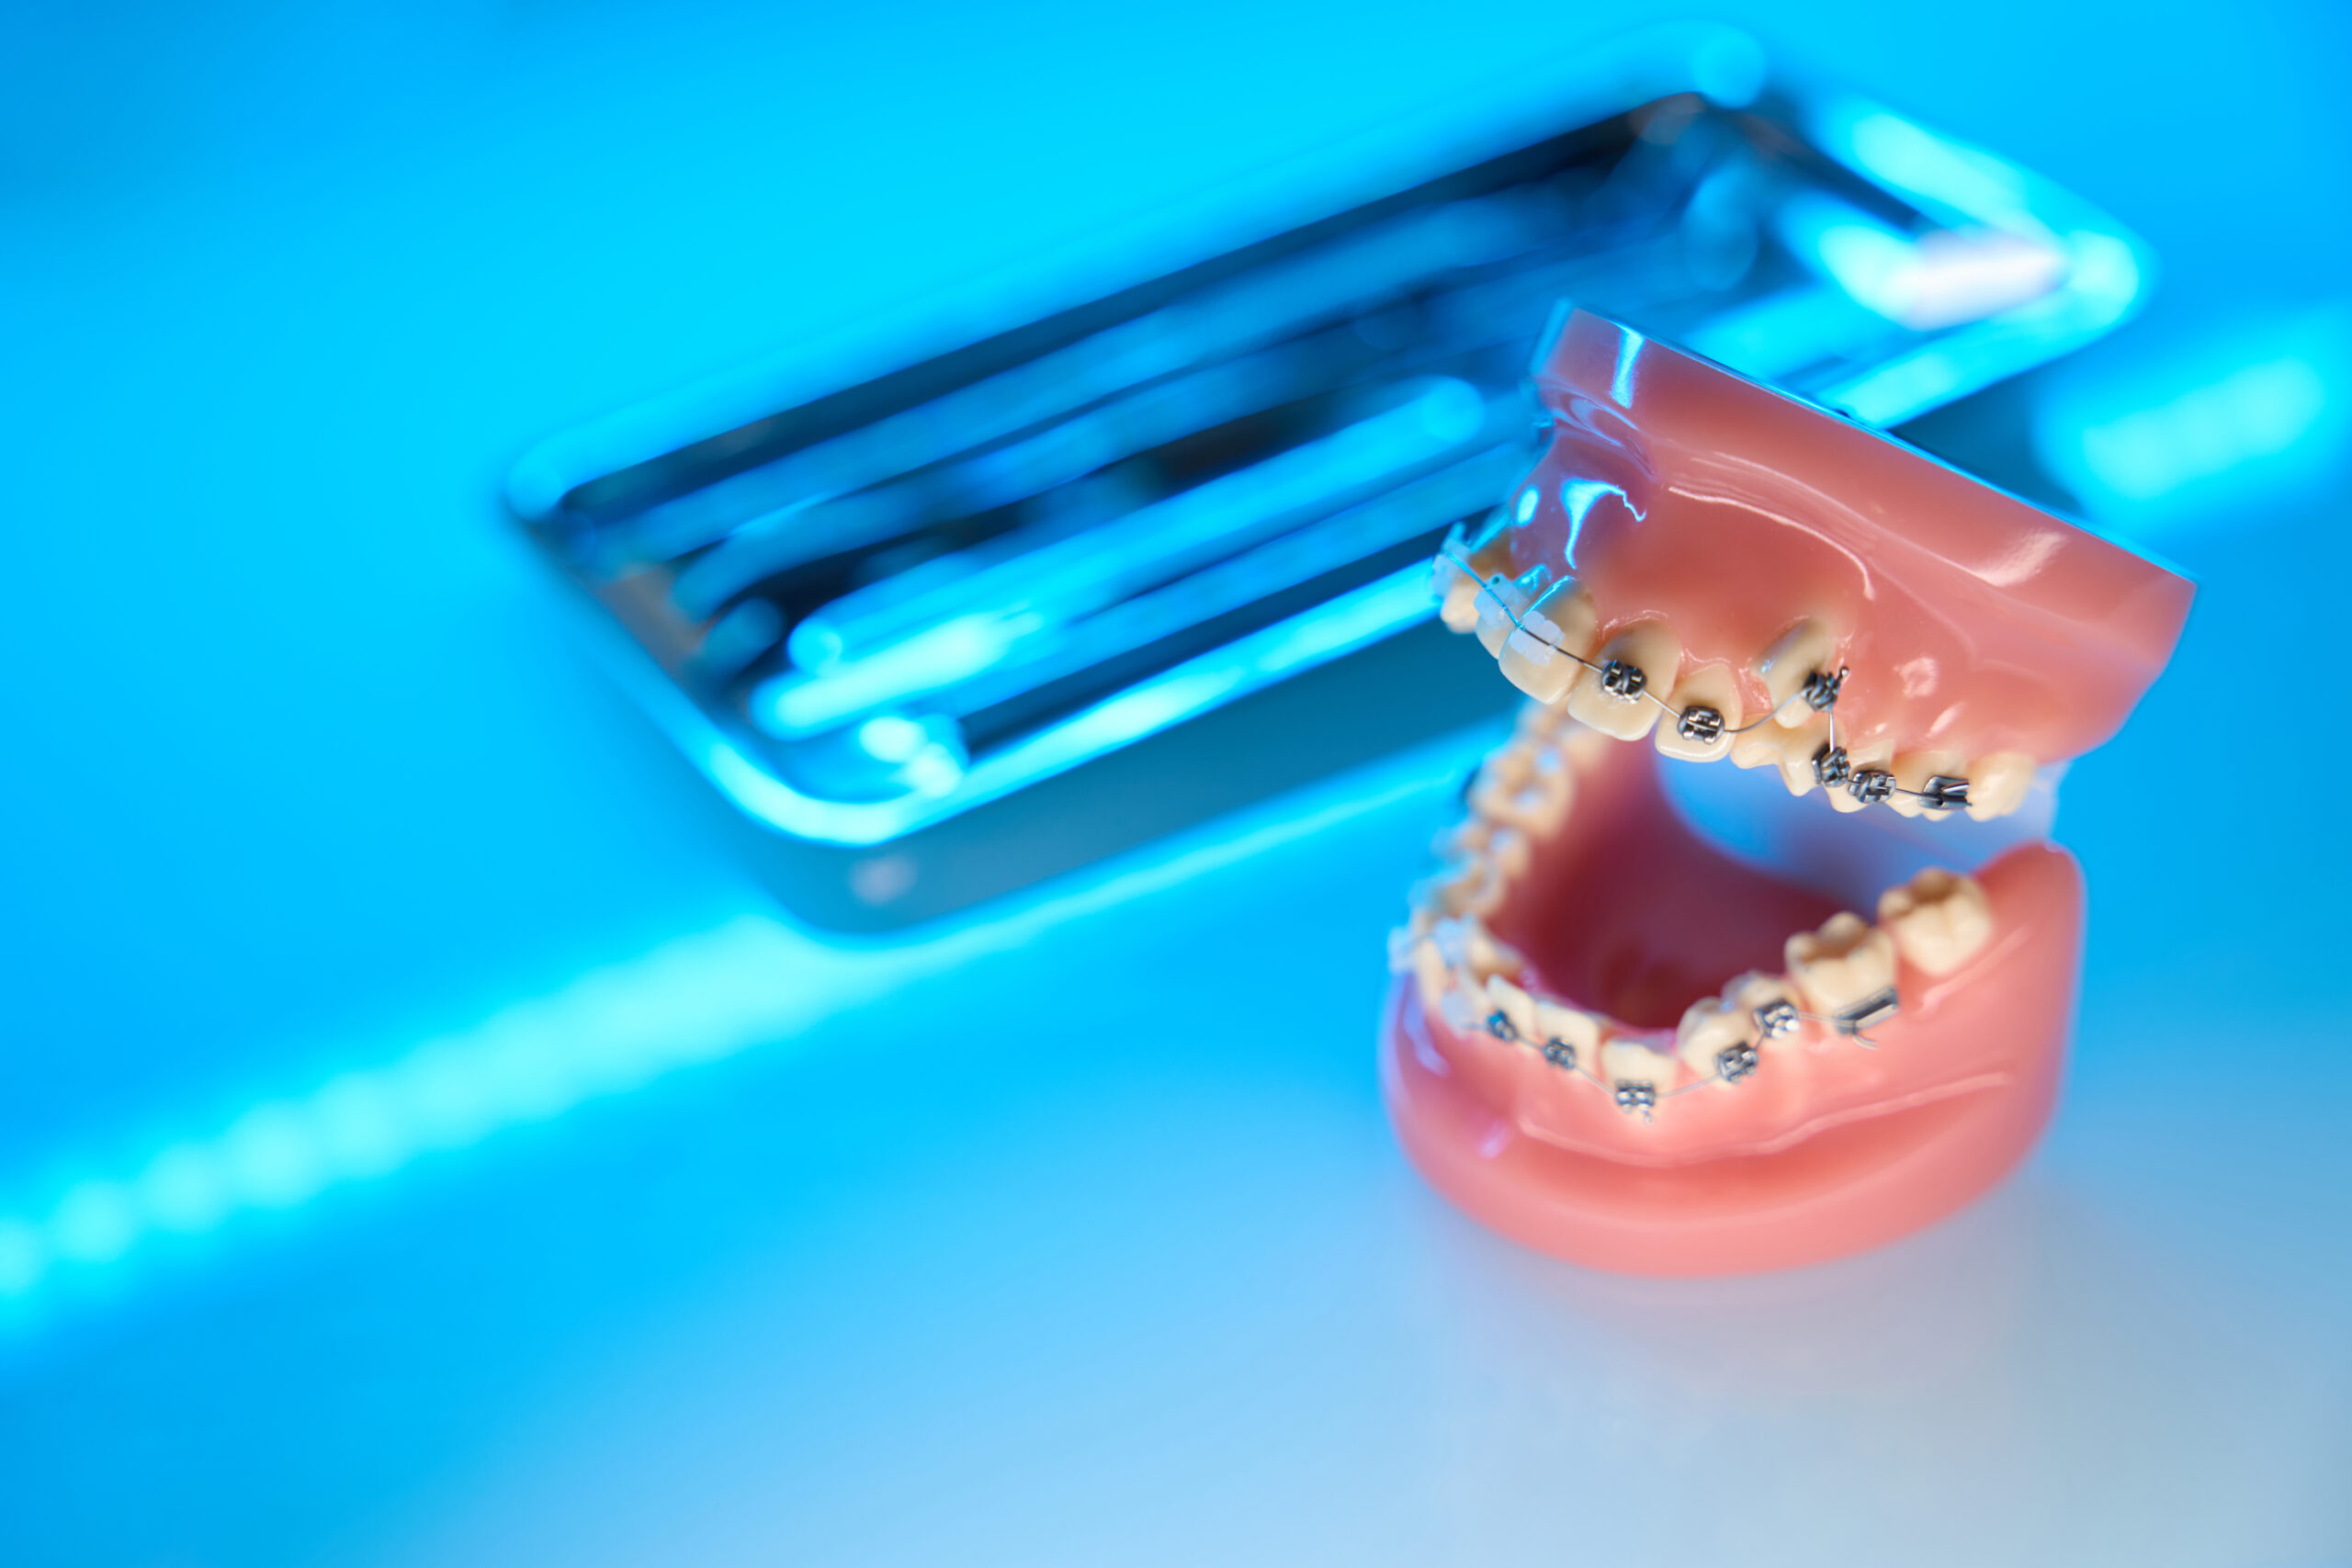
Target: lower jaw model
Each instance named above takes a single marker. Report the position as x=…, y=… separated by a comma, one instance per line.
x=1666, y=1017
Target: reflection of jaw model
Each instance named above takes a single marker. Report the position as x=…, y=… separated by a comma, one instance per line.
x=1632, y=1026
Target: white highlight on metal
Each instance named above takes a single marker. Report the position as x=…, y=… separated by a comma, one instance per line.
x=974, y=621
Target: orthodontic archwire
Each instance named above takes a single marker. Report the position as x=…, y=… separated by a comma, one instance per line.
x=1830, y=769
x=1733, y=1064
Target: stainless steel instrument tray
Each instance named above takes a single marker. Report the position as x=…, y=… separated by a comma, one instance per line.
x=869, y=613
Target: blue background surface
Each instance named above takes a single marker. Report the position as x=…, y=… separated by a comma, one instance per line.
x=1074, y=1234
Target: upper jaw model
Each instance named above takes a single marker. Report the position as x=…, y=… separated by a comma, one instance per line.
x=1677, y=1019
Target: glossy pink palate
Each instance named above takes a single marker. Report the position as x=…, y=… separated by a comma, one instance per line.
x=1970, y=620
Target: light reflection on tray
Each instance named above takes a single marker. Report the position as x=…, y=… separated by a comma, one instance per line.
x=871, y=611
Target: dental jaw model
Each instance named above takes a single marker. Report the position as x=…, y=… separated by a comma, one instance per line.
x=1752, y=951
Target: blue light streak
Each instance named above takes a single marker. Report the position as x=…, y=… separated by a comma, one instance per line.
x=2207, y=428
x=693, y=1001
x=2255, y=413
x=2098, y=272
x=1379, y=609
x=1966, y=182
x=1353, y=620
x=1329, y=544
x=1785, y=330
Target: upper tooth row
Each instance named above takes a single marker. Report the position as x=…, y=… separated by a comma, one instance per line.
x=1548, y=640
x=1520, y=796
x=1841, y=978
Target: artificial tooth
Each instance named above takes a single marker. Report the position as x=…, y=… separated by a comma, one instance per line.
x=1408, y=937
x=1997, y=784
x=1504, y=604
x=1846, y=962
x=1471, y=888
x=1510, y=1011
x=1797, y=750
x=1537, y=724
x=1940, y=920
x=1541, y=806
x=1459, y=1013
x=1457, y=593
x=1490, y=557
x=1637, y=1076
x=1502, y=772
x=1638, y=663
x=1509, y=852
x=1913, y=770
x=1494, y=622
x=1708, y=689
x=1804, y=650
x=1532, y=661
x=1769, y=1003
x=1536, y=802
x=1473, y=843
x=1713, y=1039
x=1569, y=1037
x=1584, y=746
x=1541, y=654
x=1470, y=947
x=1454, y=936
x=1572, y=618
x=1758, y=748
x=1499, y=601
x=1430, y=974
x=1463, y=840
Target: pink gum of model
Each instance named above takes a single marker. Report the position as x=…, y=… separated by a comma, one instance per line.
x=1971, y=623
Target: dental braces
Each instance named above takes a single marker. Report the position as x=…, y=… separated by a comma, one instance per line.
x=1831, y=766
x=1775, y=1020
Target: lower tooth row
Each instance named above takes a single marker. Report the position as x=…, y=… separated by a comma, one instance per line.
x=1841, y=978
